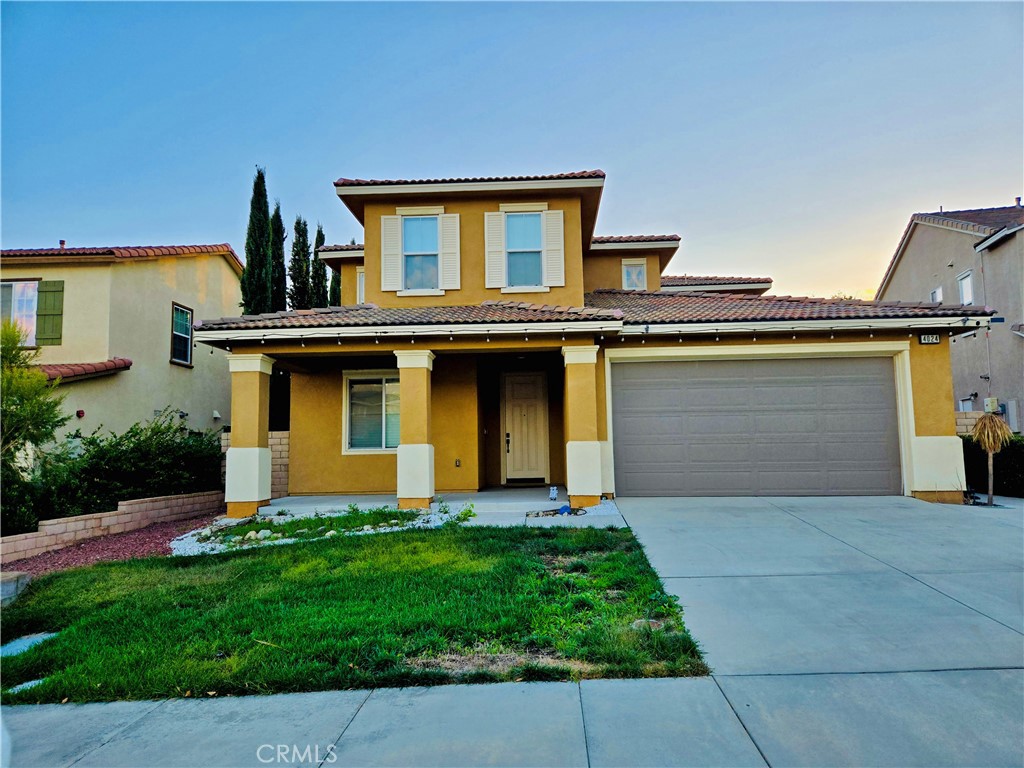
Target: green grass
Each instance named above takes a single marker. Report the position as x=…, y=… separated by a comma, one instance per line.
x=406, y=608
x=313, y=527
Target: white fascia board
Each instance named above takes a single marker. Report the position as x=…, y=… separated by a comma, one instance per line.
x=716, y=287
x=468, y=186
x=657, y=329
x=368, y=331
x=997, y=238
x=340, y=254
x=644, y=246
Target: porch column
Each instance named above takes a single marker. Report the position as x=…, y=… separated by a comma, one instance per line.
x=248, y=463
x=415, y=449
x=582, y=448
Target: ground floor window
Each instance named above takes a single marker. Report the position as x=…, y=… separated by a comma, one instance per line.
x=371, y=412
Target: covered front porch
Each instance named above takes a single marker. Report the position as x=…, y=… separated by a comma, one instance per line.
x=403, y=422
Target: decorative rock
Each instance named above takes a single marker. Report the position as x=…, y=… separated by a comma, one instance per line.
x=367, y=527
x=22, y=644
x=250, y=536
x=330, y=533
x=264, y=535
x=392, y=522
x=647, y=624
x=302, y=530
x=24, y=686
x=321, y=529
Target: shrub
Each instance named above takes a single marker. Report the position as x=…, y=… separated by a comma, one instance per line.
x=1008, y=467
x=90, y=474
x=17, y=503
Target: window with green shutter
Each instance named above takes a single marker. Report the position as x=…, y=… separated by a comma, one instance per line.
x=50, y=313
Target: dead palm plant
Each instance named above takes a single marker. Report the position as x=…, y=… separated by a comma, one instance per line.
x=991, y=433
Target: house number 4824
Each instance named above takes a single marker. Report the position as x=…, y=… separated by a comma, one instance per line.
x=929, y=338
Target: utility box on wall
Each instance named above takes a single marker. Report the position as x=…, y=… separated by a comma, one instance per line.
x=992, y=405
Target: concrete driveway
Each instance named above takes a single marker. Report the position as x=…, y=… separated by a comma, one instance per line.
x=853, y=631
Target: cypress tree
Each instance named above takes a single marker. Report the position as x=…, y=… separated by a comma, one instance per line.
x=256, y=275
x=334, y=292
x=278, y=278
x=298, y=267
x=318, y=273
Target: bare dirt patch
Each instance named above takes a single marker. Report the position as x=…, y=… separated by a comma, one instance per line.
x=498, y=663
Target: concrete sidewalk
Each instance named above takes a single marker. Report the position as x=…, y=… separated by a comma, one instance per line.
x=675, y=722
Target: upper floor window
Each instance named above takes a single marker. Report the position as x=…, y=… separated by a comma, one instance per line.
x=936, y=296
x=966, y=286
x=37, y=306
x=524, y=248
x=634, y=274
x=419, y=251
x=19, y=301
x=360, y=285
x=181, y=334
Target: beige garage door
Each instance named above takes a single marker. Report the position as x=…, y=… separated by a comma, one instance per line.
x=755, y=427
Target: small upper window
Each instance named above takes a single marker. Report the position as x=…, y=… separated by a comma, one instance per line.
x=966, y=286
x=523, y=248
x=419, y=252
x=181, y=335
x=19, y=301
x=360, y=285
x=936, y=296
x=634, y=274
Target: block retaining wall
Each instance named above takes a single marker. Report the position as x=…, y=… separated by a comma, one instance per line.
x=278, y=461
x=965, y=421
x=129, y=516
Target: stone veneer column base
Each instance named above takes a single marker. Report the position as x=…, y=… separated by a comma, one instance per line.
x=245, y=508
x=941, y=497
x=414, y=503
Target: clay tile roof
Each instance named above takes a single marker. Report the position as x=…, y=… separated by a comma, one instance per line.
x=595, y=174
x=341, y=248
x=599, y=239
x=72, y=371
x=644, y=307
x=683, y=280
x=127, y=252
x=364, y=315
x=992, y=219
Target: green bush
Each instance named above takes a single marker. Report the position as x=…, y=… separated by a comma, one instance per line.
x=1007, y=466
x=17, y=502
x=90, y=474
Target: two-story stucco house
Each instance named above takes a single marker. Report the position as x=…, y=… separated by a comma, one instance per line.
x=490, y=338
x=971, y=257
x=114, y=325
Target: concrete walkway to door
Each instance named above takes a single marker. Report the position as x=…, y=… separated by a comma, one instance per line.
x=853, y=631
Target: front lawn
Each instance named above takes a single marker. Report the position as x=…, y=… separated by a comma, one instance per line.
x=407, y=608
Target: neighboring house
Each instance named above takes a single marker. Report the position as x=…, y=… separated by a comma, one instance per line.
x=971, y=257
x=715, y=284
x=498, y=342
x=115, y=326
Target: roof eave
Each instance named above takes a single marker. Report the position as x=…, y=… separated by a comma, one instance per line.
x=639, y=328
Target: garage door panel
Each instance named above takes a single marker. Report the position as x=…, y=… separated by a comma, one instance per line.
x=782, y=427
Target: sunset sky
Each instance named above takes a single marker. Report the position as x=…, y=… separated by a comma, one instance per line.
x=790, y=140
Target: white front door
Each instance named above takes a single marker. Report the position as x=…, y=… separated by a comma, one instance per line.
x=525, y=438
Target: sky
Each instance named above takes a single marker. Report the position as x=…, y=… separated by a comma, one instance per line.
x=790, y=140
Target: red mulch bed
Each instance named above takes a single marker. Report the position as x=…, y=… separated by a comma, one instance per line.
x=145, y=542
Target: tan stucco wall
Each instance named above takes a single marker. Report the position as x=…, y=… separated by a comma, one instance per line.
x=85, y=337
x=605, y=271
x=471, y=241
x=348, y=282
x=998, y=283
x=124, y=310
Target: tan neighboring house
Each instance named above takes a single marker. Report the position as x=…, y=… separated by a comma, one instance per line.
x=971, y=257
x=114, y=325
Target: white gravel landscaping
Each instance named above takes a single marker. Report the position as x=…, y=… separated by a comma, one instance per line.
x=218, y=538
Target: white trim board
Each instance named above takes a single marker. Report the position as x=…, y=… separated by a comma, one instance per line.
x=647, y=245
x=774, y=326
x=370, y=190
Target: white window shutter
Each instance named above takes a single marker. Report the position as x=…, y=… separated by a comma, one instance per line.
x=391, y=253
x=554, y=248
x=494, y=238
x=450, y=268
